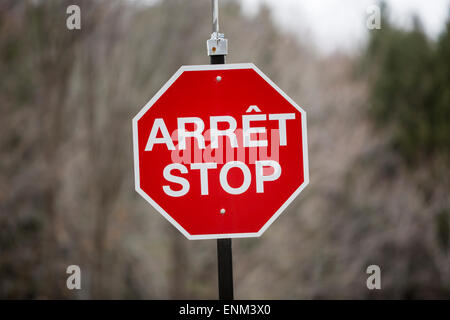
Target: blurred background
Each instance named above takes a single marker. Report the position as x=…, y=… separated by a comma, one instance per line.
x=378, y=104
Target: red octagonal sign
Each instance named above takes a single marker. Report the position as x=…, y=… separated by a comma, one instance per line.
x=220, y=151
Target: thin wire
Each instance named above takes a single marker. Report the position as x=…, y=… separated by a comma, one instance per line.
x=215, y=15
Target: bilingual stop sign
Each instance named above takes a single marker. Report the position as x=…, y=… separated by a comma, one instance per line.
x=220, y=151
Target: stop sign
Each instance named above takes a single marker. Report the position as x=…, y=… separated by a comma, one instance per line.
x=220, y=151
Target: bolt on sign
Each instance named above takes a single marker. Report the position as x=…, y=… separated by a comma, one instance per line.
x=220, y=151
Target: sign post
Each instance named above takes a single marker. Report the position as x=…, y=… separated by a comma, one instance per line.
x=217, y=49
x=220, y=151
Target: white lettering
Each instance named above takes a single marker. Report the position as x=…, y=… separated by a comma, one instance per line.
x=260, y=177
x=215, y=133
x=224, y=177
x=248, y=131
x=282, y=117
x=197, y=133
x=203, y=167
x=159, y=125
x=171, y=178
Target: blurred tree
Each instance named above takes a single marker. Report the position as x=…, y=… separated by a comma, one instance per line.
x=442, y=70
x=409, y=88
x=409, y=99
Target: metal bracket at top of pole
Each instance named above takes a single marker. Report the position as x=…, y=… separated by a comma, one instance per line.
x=217, y=44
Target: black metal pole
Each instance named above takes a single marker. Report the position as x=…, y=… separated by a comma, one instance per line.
x=217, y=50
x=220, y=59
x=225, y=269
x=224, y=250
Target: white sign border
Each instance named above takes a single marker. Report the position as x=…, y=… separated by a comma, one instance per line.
x=160, y=93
